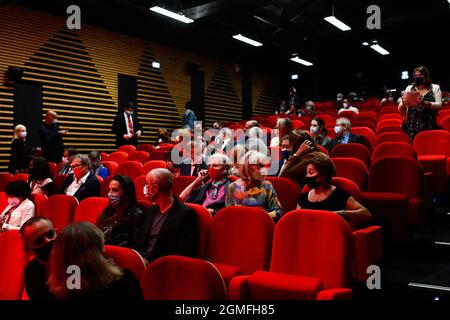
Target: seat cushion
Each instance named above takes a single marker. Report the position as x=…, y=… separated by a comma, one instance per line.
x=228, y=272
x=278, y=286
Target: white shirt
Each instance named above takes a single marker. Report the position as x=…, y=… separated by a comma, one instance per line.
x=436, y=91
x=19, y=215
x=126, y=121
x=355, y=110
x=75, y=185
x=36, y=187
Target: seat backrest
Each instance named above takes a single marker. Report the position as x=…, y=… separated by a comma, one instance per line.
x=127, y=148
x=5, y=178
x=288, y=192
x=391, y=137
x=12, y=261
x=389, y=109
x=442, y=114
x=39, y=201
x=387, y=149
x=367, y=133
x=21, y=176
x=364, y=124
x=131, y=169
x=59, y=180
x=432, y=142
x=351, y=115
x=327, y=118
x=118, y=157
x=396, y=175
x=390, y=116
x=180, y=183
x=146, y=147
x=153, y=164
x=352, y=150
x=314, y=243
x=60, y=209
x=144, y=205
x=139, y=183
x=298, y=124
x=126, y=258
x=445, y=123
x=90, y=209
x=389, y=128
x=204, y=221
x=104, y=186
x=111, y=166
x=3, y=201
x=241, y=236
x=182, y=278
x=352, y=169
x=349, y=186
x=141, y=156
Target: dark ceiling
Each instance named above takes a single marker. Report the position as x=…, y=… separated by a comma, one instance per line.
x=413, y=31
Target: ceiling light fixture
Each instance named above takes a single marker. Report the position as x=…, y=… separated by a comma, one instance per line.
x=379, y=49
x=156, y=65
x=171, y=14
x=252, y=42
x=301, y=61
x=337, y=23
x=365, y=43
x=294, y=76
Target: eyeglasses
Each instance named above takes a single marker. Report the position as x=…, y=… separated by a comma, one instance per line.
x=50, y=234
x=76, y=165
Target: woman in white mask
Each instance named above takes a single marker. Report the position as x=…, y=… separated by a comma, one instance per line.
x=318, y=131
x=19, y=208
x=20, y=154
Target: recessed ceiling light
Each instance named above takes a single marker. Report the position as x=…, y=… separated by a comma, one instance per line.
x=379, y=49
x=337, y=23
x=301, y=61
x=247, y=40
x=171, y=14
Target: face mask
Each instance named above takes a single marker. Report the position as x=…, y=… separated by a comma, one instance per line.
x=214, y=173
x=65, y=159
x=418, y=81
x=23, y=134
x=309, y=108
x=313, y=130
x=113, y=199
x=43, y=253
x=130, y=113
x=78, y=173
x=285, y=154
x=339, y=99
x=13, y=202
x=145, y=191
x=55, y=121
x=311, y=182
x=345, y=105
x=338, y=129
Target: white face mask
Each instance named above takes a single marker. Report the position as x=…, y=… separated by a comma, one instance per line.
x=23, y=134
x=55, y=121
x=145, y=191
x=313, y=130
x=65, y=159
x=345, y=105
x=13, y=202
x=338, y=129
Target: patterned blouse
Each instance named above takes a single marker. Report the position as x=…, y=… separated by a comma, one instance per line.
x=263, y=196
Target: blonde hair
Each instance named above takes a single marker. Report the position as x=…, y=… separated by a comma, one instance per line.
x=80, y=244
x=284, y=125
x=251, y=157
x=17, y=128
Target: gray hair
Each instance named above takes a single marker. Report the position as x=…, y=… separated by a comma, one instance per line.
x=84, y=159
x=346, y=122
x=251, y=124
x=164, y=179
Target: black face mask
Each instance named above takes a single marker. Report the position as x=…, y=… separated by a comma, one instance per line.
x=311, y=182
x=43, y=253
x=418, y=81
x=285, y=154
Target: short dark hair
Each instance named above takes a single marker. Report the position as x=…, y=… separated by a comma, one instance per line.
x=30, y=221
x=188, y=105
x=323, y=164
x=18, y=188
x=41, y=169
x=322, y=124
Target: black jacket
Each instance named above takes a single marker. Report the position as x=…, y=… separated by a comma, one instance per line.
x=20, y=156
x=91, y=188
x=185, y=169
x=353, y=138
x=179, y=234
x=52, y=142
x=119, y=128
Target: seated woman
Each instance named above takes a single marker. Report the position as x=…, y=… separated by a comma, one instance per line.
x=119, y=218
x=100, y=278
x=211, y=194
x=252, y=189
x=40, y=178
x=19, y=208
x=97, y=167
x=318, y=130
x=324, y=196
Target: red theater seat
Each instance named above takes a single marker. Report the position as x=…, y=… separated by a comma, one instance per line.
x=391, y=137
x=146, y=147
x=140, y=156
x=126, y=258
x=104, y=186
x=139, y=183
x=288, y=192
x=111, y=166
x=387, y=149
x=90, y=209
x=153, y=164
x=127, y=148
x=5, y=178
x=204, y=221
x=180, y=183
x=60, y=209
x=118, y=157
x=352, y=150
x=131, y=169
x=367, y=133
x=21, y=176
x=352, y=169
x=39, y=201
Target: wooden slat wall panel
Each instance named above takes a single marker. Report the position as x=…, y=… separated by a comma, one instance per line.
x=266, y=93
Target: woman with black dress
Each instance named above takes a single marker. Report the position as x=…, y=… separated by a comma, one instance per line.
x=20, y=155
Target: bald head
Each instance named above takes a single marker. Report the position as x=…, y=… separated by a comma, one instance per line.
x=50, y=116
x=163, y=178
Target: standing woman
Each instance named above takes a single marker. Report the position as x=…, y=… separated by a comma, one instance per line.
x=420, y=103
x=20, y=156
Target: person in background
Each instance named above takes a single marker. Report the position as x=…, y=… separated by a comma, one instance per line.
x=252, y=189
x=191, y=165
x=353, y=97
x=118, y=220
x=20, y=153
x=67, y=157
x=257, y=139
x=100, y=279
x=52, y=137
x=97, y=167
x=162, y=136
x=281, y=108
x=343, y=129
x=126, y=126
x=284, y=126
x=168, y=227
x=19, y=208
x=388, y=97
x=81, y=184
x=339, y=100
x=217, y=125
x=292, y=110
x=310, y=109
x=41, y=177
x=286, y=152
x=293, y=98
x=346, y=106
x=420, y=103
x=38, y=236
x=189, y=117
x=318, y=130
x=251, y=124
x=238, y=153
x=210, y=187
x=324, y=196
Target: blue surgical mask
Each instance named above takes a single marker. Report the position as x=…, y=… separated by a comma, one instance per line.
x=313, y=130
x=114, y=199
x=338, y=129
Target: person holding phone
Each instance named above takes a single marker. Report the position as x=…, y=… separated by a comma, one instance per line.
x=420, y=103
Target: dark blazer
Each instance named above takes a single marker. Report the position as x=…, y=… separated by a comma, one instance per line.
x=52, y=142
x=353, y=138
x=185, y=169
x=179, y=234
x=91, y=188
x=119, y=128
x=20, y=156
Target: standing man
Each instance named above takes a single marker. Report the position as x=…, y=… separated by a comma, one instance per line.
x=126, y=127
x=51, y=137
x=188, y=117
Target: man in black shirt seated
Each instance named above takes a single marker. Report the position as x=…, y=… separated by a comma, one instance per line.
x=37, y=235
x=168, y=227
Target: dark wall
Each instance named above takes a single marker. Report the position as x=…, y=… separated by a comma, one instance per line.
x=28, y=109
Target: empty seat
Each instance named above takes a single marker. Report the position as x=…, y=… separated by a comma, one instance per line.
x=180, y=183
x=352, y=169
x=204, y=221
x=104, y=186
x=146, y=147
x=127, y=148
x=182, y=278
x=60, y=209
x=140, y=156
x=21, y=176
x=368, y=135
x=5, y=178
x=126, y=258
x=39, y=201
x=390, y=116
x=298, y=124
x=445, y=123
x=390, y=128
x=288, y=192
x=387, y=149
x=153, y=164
x=352, y=150
x=160, y=154
x=90, y=209
x=111, y=166
x=391, y=137
x=139, y=183
x=118, y=157
x=131, y=169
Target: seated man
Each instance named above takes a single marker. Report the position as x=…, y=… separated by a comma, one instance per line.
x=168, y=227
x=81, y=184
x=37, y=235
x=346, y=106
x=343, y=133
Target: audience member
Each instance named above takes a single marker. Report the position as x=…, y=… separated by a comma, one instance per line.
x=191, y=165
x=281, y=108
x=162, y=136
x=310, y=109
x=97, y=167
x=318, y=130
x=292, y=110
x=20, y=154
x=387, y=97
x=126, y=126
x=284, y=127
x=51, y=137
x=119, y=219
x=189, y=116
x=67, y=157
x=251, y=124
x=238, y=153
x=294, y=98
x=346, y=106
x=81, y=245
x=257, y=140
x=81, y=183
x=41, y=177
x=343, y=129
x=339, y=100
x=324, y=196
x=168, y=227
x=19, y=208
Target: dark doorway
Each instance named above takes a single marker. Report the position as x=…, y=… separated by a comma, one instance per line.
x=127, y=87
